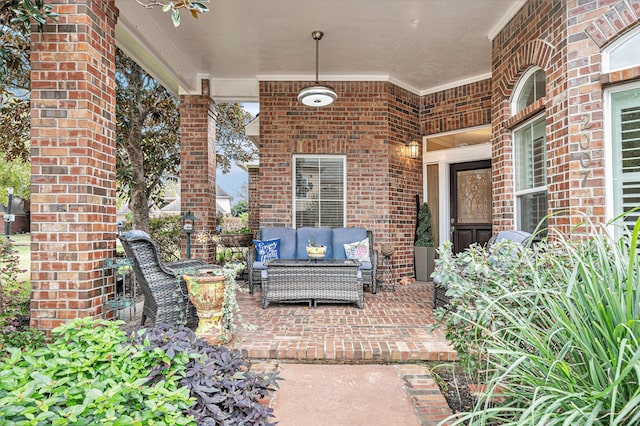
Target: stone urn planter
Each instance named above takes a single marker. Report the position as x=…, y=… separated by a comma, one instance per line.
x=207, y=293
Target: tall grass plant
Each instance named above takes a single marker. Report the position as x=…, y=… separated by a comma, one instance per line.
x=573, y=355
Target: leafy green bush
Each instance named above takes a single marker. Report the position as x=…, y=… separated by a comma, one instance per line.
x=14, y=333
x=567, y=349
x=93, y=373
x=482, y=283
x=166, y=232
x=14, y=293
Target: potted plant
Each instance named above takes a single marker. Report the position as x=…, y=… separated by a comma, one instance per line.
x=315, y=250
x=424, y=250
x=213, y=293
x=234, y=232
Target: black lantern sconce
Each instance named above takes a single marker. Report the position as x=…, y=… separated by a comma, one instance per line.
x=188, y=226
x=413, y=149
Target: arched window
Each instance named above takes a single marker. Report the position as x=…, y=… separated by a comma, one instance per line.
x=530, y=88
x=530, y=154
x=623, y=53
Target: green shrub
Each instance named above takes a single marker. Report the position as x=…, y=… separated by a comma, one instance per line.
x=482, y=284
x=93, y=373
x=14, y=292
x=572, y=356
x=166, y=231
x=14, y=333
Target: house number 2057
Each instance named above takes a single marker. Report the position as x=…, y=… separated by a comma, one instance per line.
x=585, y=153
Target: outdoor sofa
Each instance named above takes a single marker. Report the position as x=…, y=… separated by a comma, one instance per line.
x=293, y=244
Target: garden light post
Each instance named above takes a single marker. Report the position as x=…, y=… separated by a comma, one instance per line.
x=188, y=225
x=8, y=217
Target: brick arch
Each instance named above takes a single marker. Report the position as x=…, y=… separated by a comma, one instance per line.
x=617, y=20
x=534, y=53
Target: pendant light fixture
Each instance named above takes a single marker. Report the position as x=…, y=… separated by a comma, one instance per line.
x=317, y=95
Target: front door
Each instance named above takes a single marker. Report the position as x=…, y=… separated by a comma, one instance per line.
x=470, y=204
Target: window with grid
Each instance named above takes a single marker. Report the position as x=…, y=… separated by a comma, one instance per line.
x=531, y=174
x=625, y=153
x=319, y=191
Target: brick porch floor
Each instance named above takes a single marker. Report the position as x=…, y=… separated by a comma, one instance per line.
x=393, y=327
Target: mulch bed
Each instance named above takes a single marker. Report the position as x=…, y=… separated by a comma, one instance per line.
x=454, y=385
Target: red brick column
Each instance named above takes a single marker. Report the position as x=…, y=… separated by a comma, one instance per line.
x=592, y=25
x=198, y=168
x=253, y=201
x=73, y=189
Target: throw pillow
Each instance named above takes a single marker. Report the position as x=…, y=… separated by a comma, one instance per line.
x=267, y=250
x=358, y=250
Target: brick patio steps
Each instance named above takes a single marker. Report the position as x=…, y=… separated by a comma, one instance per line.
x=392, y=327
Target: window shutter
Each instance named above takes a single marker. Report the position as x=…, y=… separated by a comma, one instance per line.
x=629, y=172
x=321, y=202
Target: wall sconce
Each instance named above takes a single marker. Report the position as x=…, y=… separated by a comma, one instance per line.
x=413, y=149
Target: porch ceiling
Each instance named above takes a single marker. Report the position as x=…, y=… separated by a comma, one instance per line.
x=421, y=45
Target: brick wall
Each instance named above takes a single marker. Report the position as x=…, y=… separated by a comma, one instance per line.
x=198, y=169
x=592, y=25
x=253, y=199
x=536, y=36
x=72, y=160
x=456, y=108
x=405, y=176
x=369, y=123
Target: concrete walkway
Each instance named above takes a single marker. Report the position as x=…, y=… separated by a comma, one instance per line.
x=348, y=366
x=353, y=395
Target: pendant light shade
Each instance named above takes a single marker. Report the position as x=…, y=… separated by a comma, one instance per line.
x=317, y=95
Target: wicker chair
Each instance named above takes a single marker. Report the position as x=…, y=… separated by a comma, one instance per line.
x=165, y=292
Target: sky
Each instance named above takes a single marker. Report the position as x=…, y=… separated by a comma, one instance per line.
x=232, y=182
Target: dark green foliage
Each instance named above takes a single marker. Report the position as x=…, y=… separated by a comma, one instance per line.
x=239, y=208
x=424, y=233
x=554, y=328
x=14, y=297
x=15, y=333
x=226, y=390
x=93, y=373
x=166, y=231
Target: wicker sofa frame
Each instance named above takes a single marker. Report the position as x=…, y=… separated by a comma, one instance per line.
x=368, y=275
x=165, y=293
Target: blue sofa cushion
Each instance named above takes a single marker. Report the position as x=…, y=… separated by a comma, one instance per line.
x=259, y=265
x=365, y=265
x=342, y=236
x=321, y=236
x=287, y=238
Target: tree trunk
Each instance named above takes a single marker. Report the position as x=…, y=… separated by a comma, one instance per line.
x=139, y=200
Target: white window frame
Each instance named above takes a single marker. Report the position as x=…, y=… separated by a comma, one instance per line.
x=520, y=86
x=344, y=182
x=606, y=53
x=608, y=151
x=519, y=193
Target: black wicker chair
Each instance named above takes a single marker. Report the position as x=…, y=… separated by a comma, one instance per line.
x=165, y=292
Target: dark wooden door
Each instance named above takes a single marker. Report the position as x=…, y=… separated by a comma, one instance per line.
x=470, y=204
